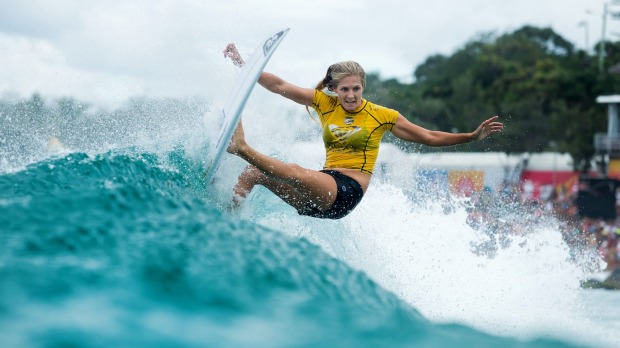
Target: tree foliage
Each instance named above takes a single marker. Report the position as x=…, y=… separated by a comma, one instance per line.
x=543, y=89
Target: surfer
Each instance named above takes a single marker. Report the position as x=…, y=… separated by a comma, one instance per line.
x=352, y=130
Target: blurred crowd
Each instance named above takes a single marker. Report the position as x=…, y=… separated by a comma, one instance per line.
x=512, y=214
x=582, y=232
x=603, y=235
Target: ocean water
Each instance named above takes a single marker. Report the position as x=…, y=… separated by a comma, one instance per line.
x=115, y=239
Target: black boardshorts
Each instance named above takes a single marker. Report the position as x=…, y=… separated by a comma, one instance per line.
x=349, y=194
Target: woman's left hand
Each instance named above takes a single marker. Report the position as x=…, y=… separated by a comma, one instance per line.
x=487, y=128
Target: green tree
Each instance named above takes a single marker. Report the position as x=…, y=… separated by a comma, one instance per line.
x=543, y=89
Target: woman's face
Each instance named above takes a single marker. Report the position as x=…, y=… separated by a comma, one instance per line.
x=349, y=91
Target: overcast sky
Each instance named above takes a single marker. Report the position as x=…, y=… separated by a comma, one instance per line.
x=104, y=51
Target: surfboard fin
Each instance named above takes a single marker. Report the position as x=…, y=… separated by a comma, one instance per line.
x=54, y=145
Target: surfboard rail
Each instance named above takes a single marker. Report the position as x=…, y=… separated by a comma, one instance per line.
x=238, y=96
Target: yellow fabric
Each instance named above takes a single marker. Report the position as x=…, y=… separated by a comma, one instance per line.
x=352, y=138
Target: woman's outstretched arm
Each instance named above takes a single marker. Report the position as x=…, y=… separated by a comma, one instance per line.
x=272, y=82
x=408, y=131
x=277, y=85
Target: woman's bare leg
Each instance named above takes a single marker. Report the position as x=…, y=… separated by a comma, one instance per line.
x=252, y=176
x=294, y=184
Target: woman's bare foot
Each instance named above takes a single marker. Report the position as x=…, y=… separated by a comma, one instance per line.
x=235, y=204
x=237, y=142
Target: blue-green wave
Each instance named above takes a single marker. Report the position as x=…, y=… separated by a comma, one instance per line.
x=129, y=249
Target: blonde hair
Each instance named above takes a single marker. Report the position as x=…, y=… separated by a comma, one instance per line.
x=338, y=71
x=335, y=73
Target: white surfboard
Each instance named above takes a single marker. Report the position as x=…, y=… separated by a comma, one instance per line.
x=231, y=112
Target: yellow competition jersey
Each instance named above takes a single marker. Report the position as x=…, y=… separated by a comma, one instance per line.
x=352, y=138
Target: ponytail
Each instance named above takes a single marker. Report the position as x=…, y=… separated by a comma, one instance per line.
x=338, y=71
x=335, y=73
x=328, y=80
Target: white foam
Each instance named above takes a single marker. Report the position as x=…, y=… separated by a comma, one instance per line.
x=423, y=253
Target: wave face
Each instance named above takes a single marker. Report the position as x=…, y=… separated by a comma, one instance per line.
x=110, y=236
x=126, y=248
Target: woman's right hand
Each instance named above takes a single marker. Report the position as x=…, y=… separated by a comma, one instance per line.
x=231, y=51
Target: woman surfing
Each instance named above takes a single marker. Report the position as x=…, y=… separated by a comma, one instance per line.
x=352, y=129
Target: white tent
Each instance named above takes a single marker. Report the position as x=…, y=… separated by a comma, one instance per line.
x=497, y=166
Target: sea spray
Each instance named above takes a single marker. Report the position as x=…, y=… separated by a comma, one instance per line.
x=119, y=249
x=519, y=278
x=124, y=226
x=34, y=129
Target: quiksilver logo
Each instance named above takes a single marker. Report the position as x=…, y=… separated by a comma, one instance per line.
x=270, y=42
x=343, y=133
